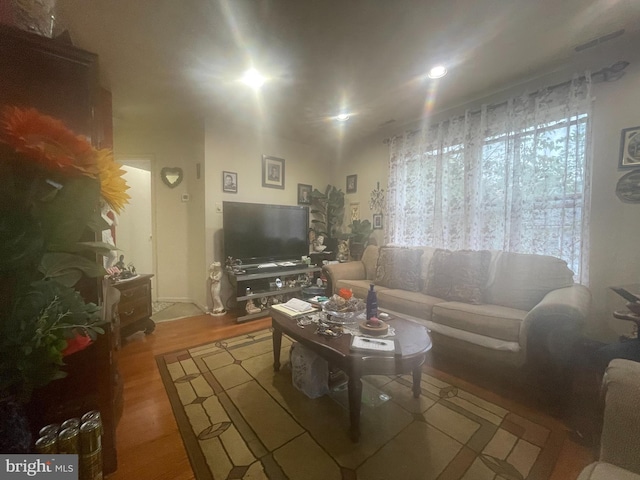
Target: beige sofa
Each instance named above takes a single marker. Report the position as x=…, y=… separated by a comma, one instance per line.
x=497, y=305
x=619, y=456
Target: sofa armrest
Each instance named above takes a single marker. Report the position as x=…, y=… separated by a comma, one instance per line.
x=555, y=322
x=620, y=440
x=343, y=271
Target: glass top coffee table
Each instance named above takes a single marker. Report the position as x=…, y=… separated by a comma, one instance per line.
x=412, y=345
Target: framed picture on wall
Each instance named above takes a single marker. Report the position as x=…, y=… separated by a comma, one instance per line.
x=354, y=211
x=630, y=148
x=272, y=172
x=377, y=221
x=352, y=183
x=230, y=182
x=304, y=194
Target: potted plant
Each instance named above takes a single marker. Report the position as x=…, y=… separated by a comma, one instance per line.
x=53, y=183
x=358, y=238
x=327, y=210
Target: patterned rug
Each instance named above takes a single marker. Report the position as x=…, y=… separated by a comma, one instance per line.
x=167, y=312
x=241, y=420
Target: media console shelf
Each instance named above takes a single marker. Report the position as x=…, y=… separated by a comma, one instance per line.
x=260, y=283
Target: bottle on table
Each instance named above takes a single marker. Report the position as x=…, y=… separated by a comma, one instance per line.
x=372, y=303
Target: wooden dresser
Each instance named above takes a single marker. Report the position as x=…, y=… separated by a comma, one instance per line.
x=134, y=308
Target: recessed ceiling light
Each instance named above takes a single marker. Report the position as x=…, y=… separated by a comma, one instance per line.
x=343, y=117
x=438, y=71
x=252, y=78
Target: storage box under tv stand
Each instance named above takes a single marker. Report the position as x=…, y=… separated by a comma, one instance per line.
x=259, y=282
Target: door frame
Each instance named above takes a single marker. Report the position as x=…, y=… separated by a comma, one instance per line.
x=147, y=162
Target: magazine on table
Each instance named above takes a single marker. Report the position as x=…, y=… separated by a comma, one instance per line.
x=295, y=307
x=374, y=345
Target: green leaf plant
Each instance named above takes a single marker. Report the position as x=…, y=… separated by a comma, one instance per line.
x=327, y=211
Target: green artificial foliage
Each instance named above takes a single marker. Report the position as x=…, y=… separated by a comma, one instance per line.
x=43, y=219
x=361, y=230
x=327, y=210
x=35, y=335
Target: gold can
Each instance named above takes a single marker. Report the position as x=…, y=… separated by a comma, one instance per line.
x=47, y=444
x=51, y=429
x=90, y=438
x=70, y=423
x=90, y=465
x=69, y=440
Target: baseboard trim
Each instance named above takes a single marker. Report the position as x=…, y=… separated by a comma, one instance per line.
x=174, y=299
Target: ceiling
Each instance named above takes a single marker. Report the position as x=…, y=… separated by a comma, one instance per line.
x=169, y=58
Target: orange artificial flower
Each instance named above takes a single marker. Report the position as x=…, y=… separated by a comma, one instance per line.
x=113, y=186
x=345, y=293
x=47, y=141
x=77, y=343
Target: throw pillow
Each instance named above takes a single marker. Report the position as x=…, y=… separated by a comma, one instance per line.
x=522, y=279
x=399, y=268
x=459, y=276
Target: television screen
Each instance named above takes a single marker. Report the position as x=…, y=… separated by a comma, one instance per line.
x=258, y=233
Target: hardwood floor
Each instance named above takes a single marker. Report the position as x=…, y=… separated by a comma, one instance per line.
x=149, y=444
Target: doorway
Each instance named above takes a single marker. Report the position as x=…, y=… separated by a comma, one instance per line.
x=134, y=231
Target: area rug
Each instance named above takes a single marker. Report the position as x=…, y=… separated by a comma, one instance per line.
x=241, y=420
x=175, y=311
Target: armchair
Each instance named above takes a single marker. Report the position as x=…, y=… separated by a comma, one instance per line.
x=620, y=439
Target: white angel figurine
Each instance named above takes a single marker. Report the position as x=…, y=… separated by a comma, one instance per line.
x=215, y=277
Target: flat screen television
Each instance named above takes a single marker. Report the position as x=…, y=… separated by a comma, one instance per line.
x=260, y=233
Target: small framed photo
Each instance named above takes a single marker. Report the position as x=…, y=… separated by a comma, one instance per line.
x=354, y=211
x=377, y=221
x=352, y=183
x=304, y=194
x=272, y=172
x=230, y=182
x=630, y=148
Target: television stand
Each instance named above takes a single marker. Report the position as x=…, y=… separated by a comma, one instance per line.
x=261, y=286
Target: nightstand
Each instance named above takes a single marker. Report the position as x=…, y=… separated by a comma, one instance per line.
x=134, y=308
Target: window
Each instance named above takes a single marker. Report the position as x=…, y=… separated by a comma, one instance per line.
x=512, y=177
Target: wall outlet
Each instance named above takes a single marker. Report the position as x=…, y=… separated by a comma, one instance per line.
x=185, y=197
x=218, y=207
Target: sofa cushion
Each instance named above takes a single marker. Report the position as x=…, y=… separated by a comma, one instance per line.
x=606, y=471
x=427, y=255
x=370, y=261
x=415, y=304
x=522, y=280
x=399, y=268
x=492, y=321
x=459, y=275
x=360, y=288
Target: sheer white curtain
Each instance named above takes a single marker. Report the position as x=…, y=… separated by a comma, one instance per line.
x=513, y=176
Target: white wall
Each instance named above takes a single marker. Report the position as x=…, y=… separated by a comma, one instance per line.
x=615, y=226
x=240, y=149
x=171, y=144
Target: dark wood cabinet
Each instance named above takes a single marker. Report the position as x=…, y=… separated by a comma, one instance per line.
x=57, y=79
x=135, y=308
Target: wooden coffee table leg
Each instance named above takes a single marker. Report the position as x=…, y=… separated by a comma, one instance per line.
x=417, y=378
x=277, y=342
x=355, y=399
